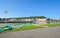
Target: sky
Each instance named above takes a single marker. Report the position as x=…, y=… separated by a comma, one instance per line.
x=26, y=8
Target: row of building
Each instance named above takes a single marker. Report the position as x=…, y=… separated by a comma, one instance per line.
x=36, y=19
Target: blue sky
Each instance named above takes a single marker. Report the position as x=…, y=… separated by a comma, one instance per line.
x=26, y=8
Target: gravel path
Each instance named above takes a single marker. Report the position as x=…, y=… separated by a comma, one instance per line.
x=47, y=32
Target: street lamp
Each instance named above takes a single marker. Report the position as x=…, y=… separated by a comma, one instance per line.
x=50, y=21
x=5, y=17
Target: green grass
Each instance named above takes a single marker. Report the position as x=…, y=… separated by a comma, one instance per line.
x=26, y=27
x=50, y=25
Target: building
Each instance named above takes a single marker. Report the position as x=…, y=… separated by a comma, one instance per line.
x=41, y=21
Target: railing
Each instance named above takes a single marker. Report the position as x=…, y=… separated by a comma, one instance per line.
x=16, y=21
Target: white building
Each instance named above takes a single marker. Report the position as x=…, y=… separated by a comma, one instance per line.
x=41, y=21
x=12, y=19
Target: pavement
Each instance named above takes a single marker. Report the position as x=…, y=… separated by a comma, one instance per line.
x=46, y=32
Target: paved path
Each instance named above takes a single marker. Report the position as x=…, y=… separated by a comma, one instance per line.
x=47, y=32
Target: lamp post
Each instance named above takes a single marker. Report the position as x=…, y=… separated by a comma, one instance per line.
x=50, y=21
x=5, y=17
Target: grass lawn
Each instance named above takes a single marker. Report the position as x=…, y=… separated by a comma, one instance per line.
x=26, y=27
